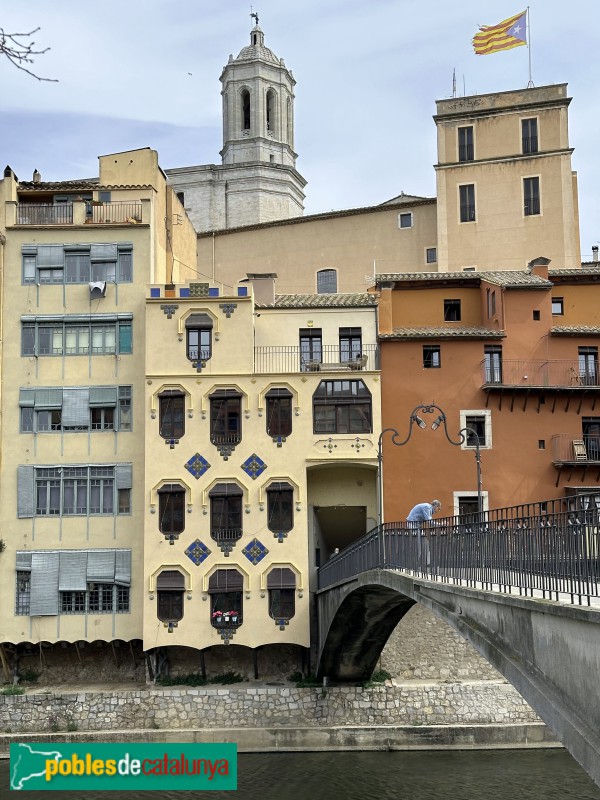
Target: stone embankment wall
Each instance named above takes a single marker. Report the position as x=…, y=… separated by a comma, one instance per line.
x=247, y=706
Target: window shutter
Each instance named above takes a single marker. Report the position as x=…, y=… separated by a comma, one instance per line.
x=279, y=393
x=281, y=578
x=44, y=584
x=225, y=580
x=123, y=567
x=101, y=566
x=171, y=488
x=101, y=396
x=72, y=574
x=225, y=490
x=50, y=255
x=76, y=408
x=48, y=398
x=103, y=252
x=23, y=560
x=280, y=486
x=27, y=398
x=25, y=491
x=170, y=579
x=199, y=321
x=123, y=476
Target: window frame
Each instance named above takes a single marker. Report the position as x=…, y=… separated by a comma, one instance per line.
x=350, y=343
x=558, y=306
x=327, y=281
x=403, y=216
x=116, y=336
x=171, y=414
x=84, y=490
x=278, y=412
x=452, y=309
x=280, y=519
x=529, y=139
x=467, y=203
x=226, y=504
x=337, y=403
x=97, y=267
x=466, y=149
x=430, y=351
x=532, y=196
x=171, y=509
x=428, y=252
x=114, y=417
x=484, y=417
x=225, y=408
x=492, y=357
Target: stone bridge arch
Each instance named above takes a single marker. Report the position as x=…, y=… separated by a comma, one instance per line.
x=549, y=651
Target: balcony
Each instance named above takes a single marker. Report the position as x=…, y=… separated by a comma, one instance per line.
x=328, y=358
x=79, y=213
x=573, y=452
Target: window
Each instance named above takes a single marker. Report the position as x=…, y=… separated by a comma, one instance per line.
x=431, y=255
x=280, y=507
x=588, y=366
x=465, y=143
x=326, y=281
x=451, y=310
x=78, y=263
x=279, y=412
x=491, y=302
x=558, y=306
x=96, y=408
x=171, y=510
x=432, y=358
x=74, y=490
x=467, y=202
x=480, y=424
x=350, y=344
x=226, y=514
x=536, y=314
x=51, y=582
x=171, y=414
x=311, y=347
x=170, y=586
x=271, y=114
x=531, y=196
x=281, y=585
x=590, y=428
x=342, y=407
x=181, y=197
x=107, y=334
x=225, y=587
x=529, y=136
x=405, y=219
x=245, y=110
x=226, y=419
x=493, y=363
x=198, y=330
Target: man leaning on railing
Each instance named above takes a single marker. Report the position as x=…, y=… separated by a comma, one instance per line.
x=422, y=512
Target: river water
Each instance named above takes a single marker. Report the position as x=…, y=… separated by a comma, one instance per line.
x=422, y=775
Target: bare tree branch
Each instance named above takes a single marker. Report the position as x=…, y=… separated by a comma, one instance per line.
x=20, y=50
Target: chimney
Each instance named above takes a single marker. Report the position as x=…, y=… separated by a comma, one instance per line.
x=37, y=178
x=539, y=267
x=263, y=285
x=595, y=253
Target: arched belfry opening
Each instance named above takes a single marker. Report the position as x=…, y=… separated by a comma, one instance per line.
x=271, y=112
x=245, y=110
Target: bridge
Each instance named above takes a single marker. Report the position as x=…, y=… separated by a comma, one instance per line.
x=521, y=584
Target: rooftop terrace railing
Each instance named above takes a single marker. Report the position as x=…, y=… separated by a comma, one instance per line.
x=550, y=550
x=324, y=358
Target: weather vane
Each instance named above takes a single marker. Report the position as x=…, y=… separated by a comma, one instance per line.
x=254, y=15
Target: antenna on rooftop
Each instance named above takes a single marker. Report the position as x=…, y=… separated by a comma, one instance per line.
x=454, y=82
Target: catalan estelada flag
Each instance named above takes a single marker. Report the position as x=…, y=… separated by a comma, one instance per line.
x=505, y=35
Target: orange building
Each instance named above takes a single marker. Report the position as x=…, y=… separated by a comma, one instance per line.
x=511, y=355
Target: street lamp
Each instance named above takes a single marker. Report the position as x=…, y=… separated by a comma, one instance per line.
x=441, y=420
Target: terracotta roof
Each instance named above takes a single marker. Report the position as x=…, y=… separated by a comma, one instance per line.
x=443, y=333
x=575, y=330
x=326, y=300
x=87, y=183
x=517, y=279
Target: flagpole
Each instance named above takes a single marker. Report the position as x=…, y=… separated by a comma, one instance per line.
x=528, y=27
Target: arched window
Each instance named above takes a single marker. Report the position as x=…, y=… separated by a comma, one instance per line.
x=326, y=281
x=245, y=110
x=271, y=112
x=290, y=123
x=171, y=510
x=279, y=412
x=170, y=585
x=225, y=587
x=281, y=585
x=280, y=507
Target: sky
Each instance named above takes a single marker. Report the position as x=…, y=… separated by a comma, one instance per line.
x=145, y=73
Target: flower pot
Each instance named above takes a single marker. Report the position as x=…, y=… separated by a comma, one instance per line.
x=234, y=618
x=226, y=617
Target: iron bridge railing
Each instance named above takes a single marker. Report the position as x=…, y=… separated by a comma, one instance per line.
x=550, y=550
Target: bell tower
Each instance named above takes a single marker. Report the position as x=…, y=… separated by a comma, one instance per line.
x=258, y=106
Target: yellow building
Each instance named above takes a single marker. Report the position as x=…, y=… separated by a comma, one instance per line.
x=262, y=419
x=75, y=258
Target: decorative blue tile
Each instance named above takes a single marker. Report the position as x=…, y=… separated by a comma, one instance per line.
x=280, y=536
x=254, y=466
x=255, y=551
x=242, y=291
x=197, y=466
x=154, y=292
x=213, y=291
x=197, y=552
x=184, y=292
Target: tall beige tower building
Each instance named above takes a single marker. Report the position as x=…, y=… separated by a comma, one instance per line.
x=257, y=180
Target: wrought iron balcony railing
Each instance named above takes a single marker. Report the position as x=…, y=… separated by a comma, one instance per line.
x=44, y=214
x=555, y=374
x=62, y=213
x=326, y=358
x=573, y=449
